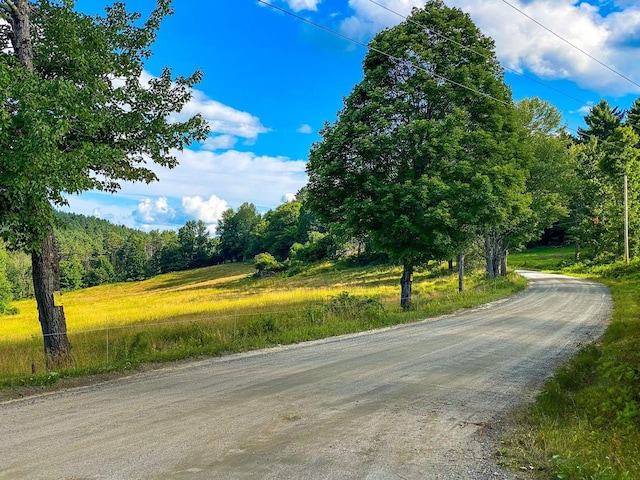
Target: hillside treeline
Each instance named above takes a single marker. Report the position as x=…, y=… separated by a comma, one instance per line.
x=94, y=251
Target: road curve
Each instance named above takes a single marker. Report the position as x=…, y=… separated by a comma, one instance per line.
x=409, y=402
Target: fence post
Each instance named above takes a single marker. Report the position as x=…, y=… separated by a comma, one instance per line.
x=106, y=325
x=235, y=322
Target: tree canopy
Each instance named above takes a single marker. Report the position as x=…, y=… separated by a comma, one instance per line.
x=422, y=157
x=82, y=118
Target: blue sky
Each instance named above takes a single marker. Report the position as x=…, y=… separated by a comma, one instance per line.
x=271, y=81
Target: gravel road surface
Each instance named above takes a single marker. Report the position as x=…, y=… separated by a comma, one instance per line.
x=410, y=402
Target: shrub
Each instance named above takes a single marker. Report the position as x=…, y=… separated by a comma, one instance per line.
x=265, y=262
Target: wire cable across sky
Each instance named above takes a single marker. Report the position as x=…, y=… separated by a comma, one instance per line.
x=573, y=45
x=388, y=55
x=512, y=70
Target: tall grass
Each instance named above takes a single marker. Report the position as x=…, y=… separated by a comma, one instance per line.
x=221, y=309
x=585, y=424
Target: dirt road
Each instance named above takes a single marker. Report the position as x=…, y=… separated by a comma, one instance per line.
x=410, y=402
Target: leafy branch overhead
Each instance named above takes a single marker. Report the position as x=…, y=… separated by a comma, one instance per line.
x=83, y=118
x=76, y=116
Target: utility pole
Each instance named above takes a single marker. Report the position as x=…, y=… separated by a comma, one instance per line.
x=626, y=221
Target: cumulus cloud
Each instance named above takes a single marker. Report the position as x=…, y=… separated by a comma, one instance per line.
x=584, y=110
x=225, y=122
x=222, y=119
x=288, y=197
x=521, y=44
x=370, y=18
x=304, y=128
x=231, y=175
x=153, y=211
x=299, y=5
x=209, y=211
x=610, y=35
x=219, y=142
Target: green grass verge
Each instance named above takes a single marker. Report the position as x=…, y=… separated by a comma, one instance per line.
x=221, y=310
x=585, y=424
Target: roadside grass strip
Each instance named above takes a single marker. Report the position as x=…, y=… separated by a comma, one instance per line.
x=585, y=424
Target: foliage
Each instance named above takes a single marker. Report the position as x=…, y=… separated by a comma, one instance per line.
x=236, y=231
x=265, y=262
x=607, y=150
x=279, y=229
x=75, y=116
x=19, y=274
x=6, y=294
x=423, y=156
x=347, y=305
x=83, y=119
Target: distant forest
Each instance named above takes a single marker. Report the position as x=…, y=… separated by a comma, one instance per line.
x=94, y=251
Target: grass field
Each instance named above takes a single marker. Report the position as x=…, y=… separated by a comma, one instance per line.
x=586, y=422
x=542, y=258
x=221, y=309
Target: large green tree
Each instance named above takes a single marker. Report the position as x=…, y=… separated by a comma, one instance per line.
x=545, y=162
x=608, y=150
x=76, y=117
x=421, y=158
x=236, y=230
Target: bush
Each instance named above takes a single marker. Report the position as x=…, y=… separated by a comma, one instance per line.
x=348, y=306
x=265, y=262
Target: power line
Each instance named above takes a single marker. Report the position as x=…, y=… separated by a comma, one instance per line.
x=388, y=55
x=573, y=45
x=368, y=47
x=449, y=39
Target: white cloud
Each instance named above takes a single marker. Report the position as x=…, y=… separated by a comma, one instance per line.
x=153, y=211
x=299, y=5
x=225, y=122
x=219, y=142
x=584, y=110
x=209, y=211
x=221, y=118
x=288, y=197
x=521, y=44
x=370, y=18
x=304, y=128
x=231, y=175
x=114, y=208
x=613, y=37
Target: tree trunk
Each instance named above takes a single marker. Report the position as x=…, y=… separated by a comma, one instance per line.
x=405, y=286
x=451, y=265
x=46, y=269
x=492, y=254
x=576, y=252
x=460, y=262
x=21, y=33
x=503, y=262
x=46, y=281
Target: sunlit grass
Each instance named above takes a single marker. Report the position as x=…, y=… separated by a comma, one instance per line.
x=224, y=308
x=550, y=259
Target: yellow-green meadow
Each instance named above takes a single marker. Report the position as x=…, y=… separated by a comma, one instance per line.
x=220, y=309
